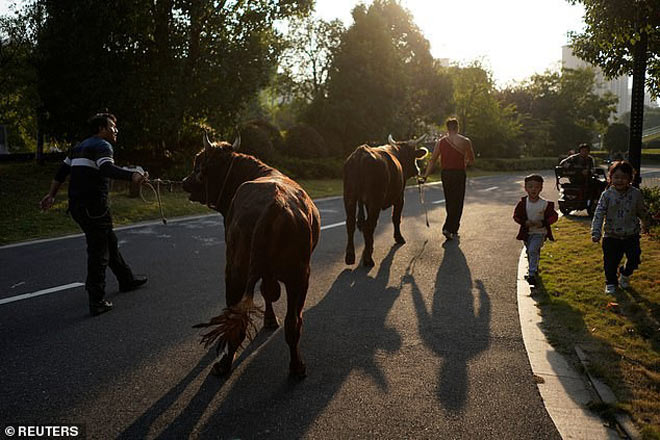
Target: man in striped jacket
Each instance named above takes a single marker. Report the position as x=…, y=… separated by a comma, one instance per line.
x=91, y=166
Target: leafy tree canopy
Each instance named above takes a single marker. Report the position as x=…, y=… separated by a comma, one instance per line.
x=382, y=79
x=613, y=28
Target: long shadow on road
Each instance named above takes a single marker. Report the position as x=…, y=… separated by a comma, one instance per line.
x=342, y=335
x=452, y=329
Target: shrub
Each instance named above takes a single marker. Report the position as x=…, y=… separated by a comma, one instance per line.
x=296, y=168
x=256, y=141
x=304, y=142
x=652, y=201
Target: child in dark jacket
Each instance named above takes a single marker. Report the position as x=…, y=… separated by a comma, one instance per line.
x=534, y=215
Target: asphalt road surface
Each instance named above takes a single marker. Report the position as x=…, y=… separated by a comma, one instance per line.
x=426, y=344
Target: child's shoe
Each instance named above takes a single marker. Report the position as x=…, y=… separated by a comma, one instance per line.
x=531, y=279
x=624, y=281
x=610, y=288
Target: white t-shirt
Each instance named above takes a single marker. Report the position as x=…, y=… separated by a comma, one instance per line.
x=536, y=213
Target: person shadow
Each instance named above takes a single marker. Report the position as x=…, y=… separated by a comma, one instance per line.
x=342, y=335
x=454, y=328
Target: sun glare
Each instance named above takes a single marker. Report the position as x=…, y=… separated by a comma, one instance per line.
x=514, y=38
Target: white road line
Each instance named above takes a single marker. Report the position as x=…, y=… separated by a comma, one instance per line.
x=39, y=293
x=334, y=225
x=438, y=201
x=491, y=188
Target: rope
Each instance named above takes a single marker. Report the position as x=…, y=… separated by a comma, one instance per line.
x=421, y=200
x=156, y=190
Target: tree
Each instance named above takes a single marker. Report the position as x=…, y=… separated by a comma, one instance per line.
x=623, y=36
x=382, y=80
x=560, y=110
x=19, y=100
x=616, y=137
x=492, y=126
x=158, y=65
x=310, y=46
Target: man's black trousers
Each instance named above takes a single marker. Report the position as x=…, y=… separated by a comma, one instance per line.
x=453, y=184
x=102, y=250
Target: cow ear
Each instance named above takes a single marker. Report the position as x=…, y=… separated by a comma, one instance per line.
x=207, y=142
x=237, y=143
x=421, y=152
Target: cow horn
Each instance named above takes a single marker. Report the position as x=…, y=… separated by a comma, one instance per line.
x=206, y=141
x=237, y=143
x=420, y=139
x=390, y=139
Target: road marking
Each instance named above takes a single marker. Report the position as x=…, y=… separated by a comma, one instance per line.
x=39, y=293
x=491, y=188
x=334, y=225
x=438, y=201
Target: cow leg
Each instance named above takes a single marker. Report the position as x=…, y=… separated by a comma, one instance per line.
x=270, y=289
x=368, y=232
x=349, y=207
x=296, y=294
x=396, y=220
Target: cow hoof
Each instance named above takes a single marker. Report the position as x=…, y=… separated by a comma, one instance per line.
x=399, y=239
x=222, y=368
x=298, y=371
x=271, y=322
x=350, y=259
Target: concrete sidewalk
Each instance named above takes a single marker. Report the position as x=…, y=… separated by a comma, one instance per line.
x=565, y=392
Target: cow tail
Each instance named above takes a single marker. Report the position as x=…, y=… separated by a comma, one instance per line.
x=238, y=321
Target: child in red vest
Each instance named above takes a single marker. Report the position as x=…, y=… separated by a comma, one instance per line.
x=534, y=215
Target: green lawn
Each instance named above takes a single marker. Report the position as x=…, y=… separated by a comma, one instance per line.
x=619, y=333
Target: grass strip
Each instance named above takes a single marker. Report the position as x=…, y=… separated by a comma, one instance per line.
x=620, y=333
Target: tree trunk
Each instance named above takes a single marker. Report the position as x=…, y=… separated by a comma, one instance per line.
x=637, y=105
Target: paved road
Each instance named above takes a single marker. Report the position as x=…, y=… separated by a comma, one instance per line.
x=425, y=345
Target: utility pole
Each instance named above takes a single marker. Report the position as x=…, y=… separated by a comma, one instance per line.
x=637, y=104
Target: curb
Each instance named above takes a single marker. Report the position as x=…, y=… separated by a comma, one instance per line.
x=564, y=391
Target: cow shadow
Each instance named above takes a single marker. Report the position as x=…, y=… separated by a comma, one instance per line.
x=454, y=328
x=342, y=335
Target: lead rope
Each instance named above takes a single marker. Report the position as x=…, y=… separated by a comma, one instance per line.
x=421, y=200
x=156, y=191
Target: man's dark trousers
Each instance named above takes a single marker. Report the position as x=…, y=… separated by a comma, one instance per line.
x=102, y=250
x=453, y=184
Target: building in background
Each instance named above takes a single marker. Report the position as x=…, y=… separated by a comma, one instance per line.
x=621, y=87
x=617, y=86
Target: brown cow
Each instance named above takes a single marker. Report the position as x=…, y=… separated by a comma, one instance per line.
x=376, y=177
x=271, y=229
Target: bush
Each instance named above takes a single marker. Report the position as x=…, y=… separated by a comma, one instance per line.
x=256, y=141
x=273, y=132
x=304, y=142
x=652, y=201
x=296, y=168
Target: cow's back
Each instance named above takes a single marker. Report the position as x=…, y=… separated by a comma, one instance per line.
x=275, y=214
x=373, y=176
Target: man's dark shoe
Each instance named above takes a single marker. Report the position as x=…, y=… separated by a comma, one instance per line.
x=97, y=308
x=136, y=282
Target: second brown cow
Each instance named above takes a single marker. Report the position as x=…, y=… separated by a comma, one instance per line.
x=375, y=179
